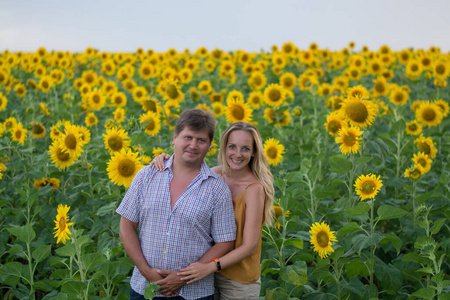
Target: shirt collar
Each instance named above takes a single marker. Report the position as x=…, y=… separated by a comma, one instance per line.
x=205, y=171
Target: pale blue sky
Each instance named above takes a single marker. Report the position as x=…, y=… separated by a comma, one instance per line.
x=250, y=25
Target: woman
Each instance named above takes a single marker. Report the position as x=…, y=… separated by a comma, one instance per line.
x=244, y=167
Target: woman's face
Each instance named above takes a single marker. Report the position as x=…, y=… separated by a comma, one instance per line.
x=239, y=150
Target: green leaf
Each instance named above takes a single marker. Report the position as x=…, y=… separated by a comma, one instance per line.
x=437, y=225
x=391, y=277
x=24, y=233
x=425, y=293
x=394, y=239
x=347, y=229
x=41, y=253
x=340, y=164
x=11, y=272
x=295, y=243
x=295, y=274
x=355, y=286
x=387, y=212
x=16, y=249
x=356, y=268
x=414, y=257
x=276, y=294
x=74, y=288
x=427, y=270
x=358, y=210
x=67, y=250
x=281, y=184
x=363, y=160
x=92, y=259
x=150, y=290
x=362, y=241
x=107, y=209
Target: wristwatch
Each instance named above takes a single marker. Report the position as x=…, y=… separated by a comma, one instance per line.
x=219, y=267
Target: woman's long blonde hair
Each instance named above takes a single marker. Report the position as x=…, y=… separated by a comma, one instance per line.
x=259, y=164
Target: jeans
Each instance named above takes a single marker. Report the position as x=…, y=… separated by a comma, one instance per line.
x=137, y=296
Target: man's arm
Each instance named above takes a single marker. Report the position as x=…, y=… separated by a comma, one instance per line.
x=216, y=251
x=132, y=247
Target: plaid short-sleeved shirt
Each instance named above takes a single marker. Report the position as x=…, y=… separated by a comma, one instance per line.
x=172, y=239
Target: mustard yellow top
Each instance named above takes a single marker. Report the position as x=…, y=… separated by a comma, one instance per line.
x=249, y=269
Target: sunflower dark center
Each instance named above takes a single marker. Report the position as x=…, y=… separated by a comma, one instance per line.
x=172, y=91
x=62, y=224
x=274, y=95
x=62, y=156
x=126, y=167
x=440, y=69
x=367, y=188
x=429, y=114
x=238, y=112
x=334, y=126
x=357, y=112
x=349, y=140
x=151, y=125
x=425, y=147
x=272, y=152
x=115, y=142
x=38, y=129
x=70, y=141
x=323, y=239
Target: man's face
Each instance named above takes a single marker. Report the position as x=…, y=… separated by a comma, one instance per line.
x=191, y=147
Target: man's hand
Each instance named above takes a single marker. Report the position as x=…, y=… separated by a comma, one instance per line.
x=171, y=284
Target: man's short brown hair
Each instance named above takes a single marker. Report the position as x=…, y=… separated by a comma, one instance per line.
x=197, y=120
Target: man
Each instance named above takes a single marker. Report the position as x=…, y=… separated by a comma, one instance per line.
x=184, y=214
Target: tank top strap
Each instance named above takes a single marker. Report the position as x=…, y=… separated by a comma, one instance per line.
x=251, y=184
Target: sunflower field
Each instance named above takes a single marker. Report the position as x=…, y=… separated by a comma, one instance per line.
x=358, y=141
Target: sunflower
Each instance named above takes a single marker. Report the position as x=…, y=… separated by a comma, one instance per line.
x=54, y=182
x=413, y=69
x=95, y=100
x=415, y=105
x=109, y=88
x=358, y=92
x=116, y=139
x=40, y=183
x=238, y=111
x=157, y=151
x=398, y=96
x=55, y=133
x=90, y=119
x=71, y=140
x=43, y=108
x=62, y=224
x=381, y=87
x=19, y=133
x=415, y=172
x=172, y=91
x=288, y=80
x=205, y=87
x=146, y=70
x=45, y=83
x=2, y=169
x=375, y=66
x=321, y=238
x=358, y=112
x=235, y=95
x=350, y=139
x=213, y=149
x=413, y=128
x=118, y=99
x=429, y=114
x=274, y=151
x=203, y=106
x=59, y=157
x=85, y=134
x=306, y=81
x=368, y=186
x=257, y=81
x=278, y=212
x=119, y=115
x=255, y=99
x=441, y=70
x=123, y=166
x=151, y=104
x=20, y=90
x=334, y=123
x=38, y=130
x=139, y=93
x=3, y=102
x=153, y=122
x=443, y=105
x=274, y=95
x=424, y=160
x=426, y=145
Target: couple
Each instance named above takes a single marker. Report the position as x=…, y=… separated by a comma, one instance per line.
x=184, y=212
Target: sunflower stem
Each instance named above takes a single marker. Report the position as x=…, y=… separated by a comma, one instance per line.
x=30, y=268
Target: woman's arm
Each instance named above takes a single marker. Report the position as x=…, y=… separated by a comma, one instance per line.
x=254, y=201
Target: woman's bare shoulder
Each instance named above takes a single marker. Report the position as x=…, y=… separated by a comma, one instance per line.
x=217, y=170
